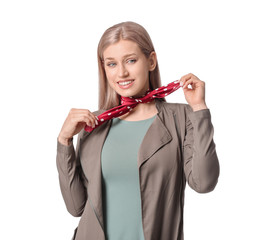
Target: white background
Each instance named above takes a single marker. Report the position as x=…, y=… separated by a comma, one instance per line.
x=48, y=65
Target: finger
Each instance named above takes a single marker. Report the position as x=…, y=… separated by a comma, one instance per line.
x=93, y=120
x=91, y=116
x=188, y=82
x=84, y=118
x=184, y=78
x=96, y=119
x=195, y=83
x=185, y=83
x=84, y=112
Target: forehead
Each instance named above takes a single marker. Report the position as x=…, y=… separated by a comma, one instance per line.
x=121, y=49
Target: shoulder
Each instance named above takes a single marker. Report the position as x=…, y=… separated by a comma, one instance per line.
x=176, y=108
x=184, y=112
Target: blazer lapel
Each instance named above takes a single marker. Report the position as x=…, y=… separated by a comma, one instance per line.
x=156, y=137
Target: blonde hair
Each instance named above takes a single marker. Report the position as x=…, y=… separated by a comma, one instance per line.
x=132, y=31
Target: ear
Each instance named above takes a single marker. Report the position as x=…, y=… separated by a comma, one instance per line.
x=152, y=60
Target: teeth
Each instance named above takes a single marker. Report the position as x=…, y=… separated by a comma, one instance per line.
x=124, y=83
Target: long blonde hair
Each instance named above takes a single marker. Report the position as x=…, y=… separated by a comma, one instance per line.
x=132, y=31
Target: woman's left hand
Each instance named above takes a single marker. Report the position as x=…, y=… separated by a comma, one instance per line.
x=195, y=96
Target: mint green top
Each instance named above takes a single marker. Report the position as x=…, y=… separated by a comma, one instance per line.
x=120, y=184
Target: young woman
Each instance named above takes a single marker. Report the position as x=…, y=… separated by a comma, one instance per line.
x=127, y=176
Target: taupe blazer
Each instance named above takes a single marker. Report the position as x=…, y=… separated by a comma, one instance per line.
x=177, y=148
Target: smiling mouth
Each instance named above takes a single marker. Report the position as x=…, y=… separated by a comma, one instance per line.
x=124, y=83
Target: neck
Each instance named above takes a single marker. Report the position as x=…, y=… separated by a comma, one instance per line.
x=141, y=111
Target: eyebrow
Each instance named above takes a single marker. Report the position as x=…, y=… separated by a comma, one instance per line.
x=125, y=56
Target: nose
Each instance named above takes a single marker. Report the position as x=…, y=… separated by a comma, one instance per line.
x=122, y=71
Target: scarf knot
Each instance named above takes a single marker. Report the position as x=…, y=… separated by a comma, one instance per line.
x=132, y=100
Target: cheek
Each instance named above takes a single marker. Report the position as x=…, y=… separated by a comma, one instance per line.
x=142, y=71
x=110, y=78
x=110, y=74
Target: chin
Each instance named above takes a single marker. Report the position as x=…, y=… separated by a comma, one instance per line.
x=126, y=94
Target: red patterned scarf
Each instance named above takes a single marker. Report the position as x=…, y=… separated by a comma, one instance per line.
x=128, y=103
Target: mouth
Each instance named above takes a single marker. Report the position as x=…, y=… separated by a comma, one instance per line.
x=125, y=82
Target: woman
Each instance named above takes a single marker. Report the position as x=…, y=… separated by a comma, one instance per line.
x=127, y=176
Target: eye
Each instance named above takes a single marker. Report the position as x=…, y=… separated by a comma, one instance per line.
x=111, y=64
x=131, y=61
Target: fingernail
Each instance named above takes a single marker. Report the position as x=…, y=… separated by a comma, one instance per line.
x=181, y=83
x=93, y=126
x=96, y=122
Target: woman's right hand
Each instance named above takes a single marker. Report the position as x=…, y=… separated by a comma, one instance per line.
x=76, y=120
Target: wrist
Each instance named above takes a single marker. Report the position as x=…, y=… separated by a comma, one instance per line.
x=65, y=141
x=199, y=106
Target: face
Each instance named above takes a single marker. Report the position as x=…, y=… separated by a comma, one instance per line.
x=127, y=68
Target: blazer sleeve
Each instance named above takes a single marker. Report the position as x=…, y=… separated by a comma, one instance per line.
x=201, y=165
x=71, y=178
